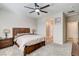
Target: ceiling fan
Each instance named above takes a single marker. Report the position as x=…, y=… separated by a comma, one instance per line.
x=37, y=8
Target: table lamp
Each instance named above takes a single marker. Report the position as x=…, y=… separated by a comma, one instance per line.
x=6, y=32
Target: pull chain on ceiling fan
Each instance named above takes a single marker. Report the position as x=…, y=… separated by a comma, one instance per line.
x=37, y=8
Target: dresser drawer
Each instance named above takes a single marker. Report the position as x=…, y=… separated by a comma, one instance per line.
x=6, y=43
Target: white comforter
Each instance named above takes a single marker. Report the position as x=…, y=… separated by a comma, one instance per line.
x=27, y=40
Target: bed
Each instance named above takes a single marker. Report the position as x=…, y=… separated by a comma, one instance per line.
x=27, y=47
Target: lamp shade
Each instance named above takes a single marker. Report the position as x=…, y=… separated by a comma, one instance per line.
x=33, y=31
x=6, y=31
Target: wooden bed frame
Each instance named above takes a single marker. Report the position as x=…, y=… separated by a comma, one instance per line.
x=27, y=49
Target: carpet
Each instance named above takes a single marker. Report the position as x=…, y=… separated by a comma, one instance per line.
x=51, y=49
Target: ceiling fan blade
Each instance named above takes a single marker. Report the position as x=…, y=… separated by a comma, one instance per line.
x=28, y=7
x=38, y=13
x=44, y=6
x=31, y=11
x=44, y=11
x=36, y=5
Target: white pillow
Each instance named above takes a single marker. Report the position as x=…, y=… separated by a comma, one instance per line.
x=21, y=34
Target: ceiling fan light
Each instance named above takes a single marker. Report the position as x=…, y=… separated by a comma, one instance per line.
x=37, y=10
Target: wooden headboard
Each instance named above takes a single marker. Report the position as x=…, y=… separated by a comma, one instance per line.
x=20, y=30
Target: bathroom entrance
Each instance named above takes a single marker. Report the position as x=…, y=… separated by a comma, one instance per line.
x=49, y=30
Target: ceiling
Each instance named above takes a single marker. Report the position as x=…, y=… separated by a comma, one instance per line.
x=18, y=8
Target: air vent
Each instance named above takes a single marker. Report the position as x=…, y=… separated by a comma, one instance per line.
x=71, y=11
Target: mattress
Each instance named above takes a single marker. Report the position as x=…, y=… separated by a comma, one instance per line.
x=27, y=40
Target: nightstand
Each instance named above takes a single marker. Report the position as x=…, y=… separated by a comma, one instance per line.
x=6, y=42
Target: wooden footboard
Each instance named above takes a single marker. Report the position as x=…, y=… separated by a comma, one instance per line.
x=29, y=49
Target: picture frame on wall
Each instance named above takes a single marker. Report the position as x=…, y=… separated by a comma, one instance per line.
x=58, y=20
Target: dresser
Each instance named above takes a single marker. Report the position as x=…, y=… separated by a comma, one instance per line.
x=6, y=42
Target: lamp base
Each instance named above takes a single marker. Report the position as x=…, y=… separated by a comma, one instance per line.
x=6, y=35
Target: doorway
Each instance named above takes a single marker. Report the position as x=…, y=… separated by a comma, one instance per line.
x=49, y=30
x=72, y=31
